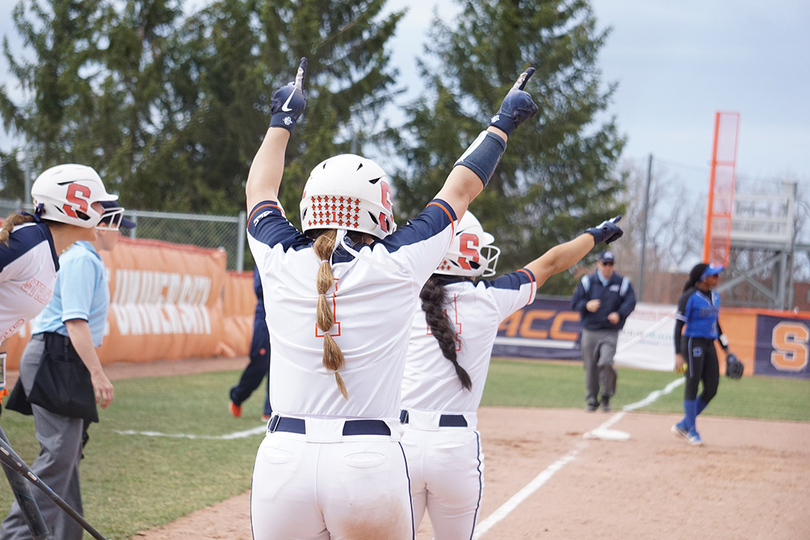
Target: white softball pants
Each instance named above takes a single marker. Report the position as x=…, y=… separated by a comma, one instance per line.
x=355, y=487
x=446, y=466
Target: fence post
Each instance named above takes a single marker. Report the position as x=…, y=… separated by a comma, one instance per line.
x=240, y=243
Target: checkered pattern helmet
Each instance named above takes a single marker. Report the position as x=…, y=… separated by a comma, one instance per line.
x=348, y=192
x=66, y=194
x=471, y=252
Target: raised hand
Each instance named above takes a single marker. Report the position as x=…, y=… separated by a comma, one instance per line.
x=287, y=104
x=606, y=232
x=517, y=106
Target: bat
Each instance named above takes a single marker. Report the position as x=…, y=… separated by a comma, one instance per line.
x=11, y=460
x=30, y=510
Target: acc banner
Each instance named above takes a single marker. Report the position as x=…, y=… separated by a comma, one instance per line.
x=782, y=346
x=546, y=328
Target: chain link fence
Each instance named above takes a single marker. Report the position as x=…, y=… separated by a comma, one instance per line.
x=206, y=231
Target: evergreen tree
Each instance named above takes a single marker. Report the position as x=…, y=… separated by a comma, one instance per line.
x=170, y=109
x=57, y=117
x=348, y=76
x=557, y=176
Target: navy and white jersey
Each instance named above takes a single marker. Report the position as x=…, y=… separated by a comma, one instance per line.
x=699, y=312
x=28, y=268
x=373, y=300
x=475, y=311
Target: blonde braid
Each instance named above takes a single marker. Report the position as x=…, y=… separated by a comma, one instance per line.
x=11, y=221
x=333, y=358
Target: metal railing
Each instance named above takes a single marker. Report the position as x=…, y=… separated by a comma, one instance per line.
x=202, y=230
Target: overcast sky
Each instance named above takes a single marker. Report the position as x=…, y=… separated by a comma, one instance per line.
x=676, y=64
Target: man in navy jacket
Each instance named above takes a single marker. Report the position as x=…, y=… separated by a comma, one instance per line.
x=604, y=300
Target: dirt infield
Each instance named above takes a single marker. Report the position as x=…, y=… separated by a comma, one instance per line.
x=750, y=481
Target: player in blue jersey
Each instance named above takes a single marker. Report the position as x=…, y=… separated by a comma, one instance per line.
x=447, y=363
x=696, y=329
x=340, y=297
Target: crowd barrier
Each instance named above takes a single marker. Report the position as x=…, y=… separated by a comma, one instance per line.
x=167, y=302
x=768, y=342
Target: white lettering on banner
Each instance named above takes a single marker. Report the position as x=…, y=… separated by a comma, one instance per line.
x=141, y=319
x=154, y=303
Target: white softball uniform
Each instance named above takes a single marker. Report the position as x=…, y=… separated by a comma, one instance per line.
x=443, y=448
x=331, y=467
x=28, y=268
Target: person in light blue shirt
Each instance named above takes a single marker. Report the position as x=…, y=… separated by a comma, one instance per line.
x=72, y=325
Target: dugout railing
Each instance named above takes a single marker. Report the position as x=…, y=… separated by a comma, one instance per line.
x=201, y=230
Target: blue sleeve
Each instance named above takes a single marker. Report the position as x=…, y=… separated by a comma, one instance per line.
x=680, y=319
x=77, y=281
x=270, y=226
x=580, y=298
x=436, y=217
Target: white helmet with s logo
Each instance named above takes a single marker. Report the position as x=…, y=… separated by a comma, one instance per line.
x=471, y=252
x=348, y=192
x=66, y=194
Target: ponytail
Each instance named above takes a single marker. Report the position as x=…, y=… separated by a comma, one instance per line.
x=333, y=358
x=434, y=298
x=694, y=276
x=11, y=221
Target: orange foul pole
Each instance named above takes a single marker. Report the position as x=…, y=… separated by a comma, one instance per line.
x=717, y=239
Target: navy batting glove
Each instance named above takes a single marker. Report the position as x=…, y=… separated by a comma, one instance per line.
x=517, y=106
x=606, y=232
x=287, y=104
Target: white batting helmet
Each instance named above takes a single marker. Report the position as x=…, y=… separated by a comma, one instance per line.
x=348, y=192
x=471, y=252
x=66, y=194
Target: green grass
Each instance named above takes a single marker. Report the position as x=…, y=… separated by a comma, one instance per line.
x=133, y=482
x=561, y=385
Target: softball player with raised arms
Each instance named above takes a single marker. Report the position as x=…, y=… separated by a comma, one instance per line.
x=447, y=363
x=340, y=297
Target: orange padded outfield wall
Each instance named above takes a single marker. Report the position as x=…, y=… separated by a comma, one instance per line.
x=169, y=301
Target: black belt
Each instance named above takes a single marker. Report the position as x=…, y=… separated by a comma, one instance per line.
x=445, y=420
x=350, y=427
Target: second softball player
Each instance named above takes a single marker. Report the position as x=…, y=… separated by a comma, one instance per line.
x=446, y=368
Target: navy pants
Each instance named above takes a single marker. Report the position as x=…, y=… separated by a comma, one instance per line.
x=256, y=370
x=701, y=356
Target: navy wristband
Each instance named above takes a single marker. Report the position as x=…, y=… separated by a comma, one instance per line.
x=282, y=120
x=483, y=155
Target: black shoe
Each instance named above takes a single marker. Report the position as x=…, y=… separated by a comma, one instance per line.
x=592, y=406
x=606, y=403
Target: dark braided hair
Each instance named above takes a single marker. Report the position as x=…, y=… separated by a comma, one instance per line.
x=434, y=298
x=694, y=276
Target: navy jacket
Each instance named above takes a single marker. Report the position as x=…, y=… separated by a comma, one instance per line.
x=617, y=296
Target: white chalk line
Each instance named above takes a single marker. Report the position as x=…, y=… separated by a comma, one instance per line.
x=552, y=469
x=229, y=436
